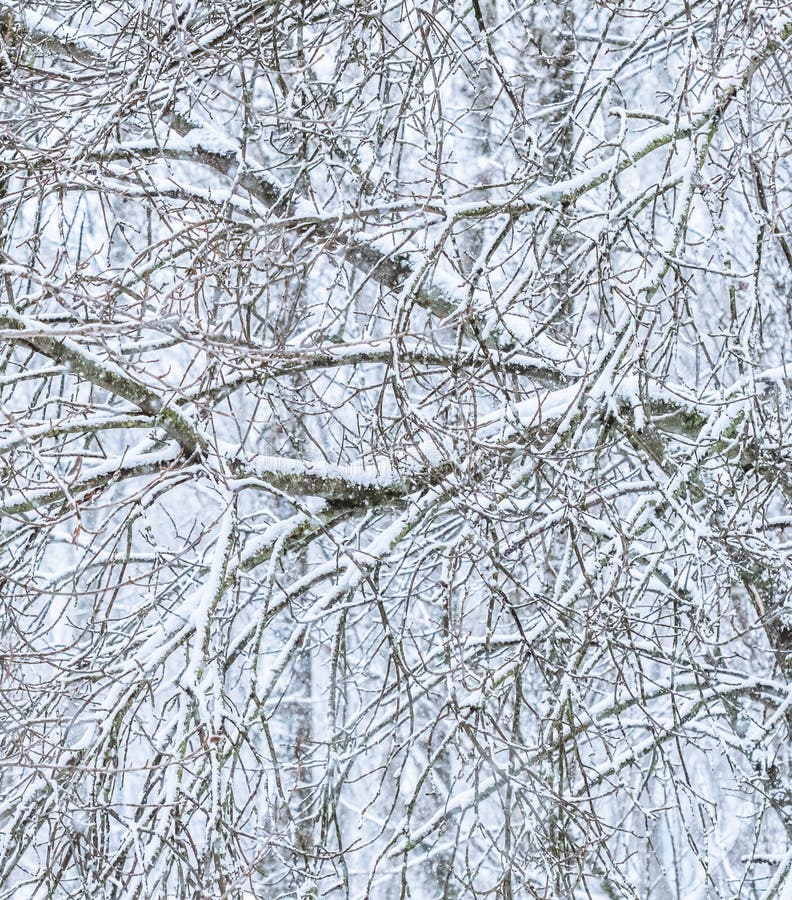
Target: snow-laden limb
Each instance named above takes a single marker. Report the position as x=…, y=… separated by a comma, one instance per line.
x=204, y=606
x=361, y=484
x=104, y=374
x=53, y=35
x=779, y=887
x=459, y=803
x=22, y=434
x=147, y=458
x=259, y=365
